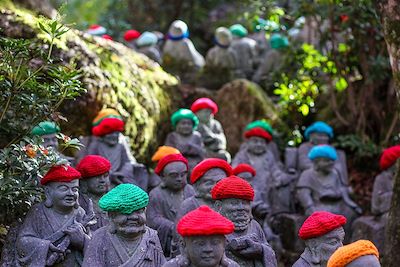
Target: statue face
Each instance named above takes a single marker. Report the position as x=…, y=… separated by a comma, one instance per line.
x=319, y=139
x=204, y=115
x=204, y=185
x=174, y=176
x=205, y=251
x=111, y=139
x=367, y=260
x=246, y=176
x=131, y=225
x=98, y=185
x=238, y=211
x=323, y=165
x=50, y=140
x=256, y=145
x=323, y=247
x=184, y=127
x=63, y=195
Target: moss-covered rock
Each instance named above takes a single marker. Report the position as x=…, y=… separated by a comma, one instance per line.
x=114, y=76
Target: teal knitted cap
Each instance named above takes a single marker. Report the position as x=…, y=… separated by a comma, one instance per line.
x=45, y=127
x=238, y=30
x=125, y=199
x=260, y=123
x=184, y=113
x=278, y=41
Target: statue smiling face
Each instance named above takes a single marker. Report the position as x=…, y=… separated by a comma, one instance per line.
x=319, y=138
x=205, y=251
x=174, y=176
x=184, y=127
x=204, y=115
x=97, y=185
x=204, y=185
x=50, y=140
x=128, y=225
x=110, y=139
x=256, y=145
x=236, y=210
x=62, y=196
x=323, y=165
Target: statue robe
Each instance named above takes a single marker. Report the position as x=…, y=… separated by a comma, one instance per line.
x=269, y=66
x=162, y=211
x=191, y=147
x=41, y=228
x=106, y=250
x=151, y=52
x=214, y=140
x=175, y=262
x=382, y=193
x=255, y=233
x=184, y=50
x=245, y=51
x=302, y=262
x=101, y=216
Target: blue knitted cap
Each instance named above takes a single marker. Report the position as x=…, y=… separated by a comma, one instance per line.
x=318, y=127
x=322, y=151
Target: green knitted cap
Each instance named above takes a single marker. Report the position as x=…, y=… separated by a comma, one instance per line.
x=45, y=127
x=238, y=30
x=260, y=123
x=125, y=199
x=184, y=113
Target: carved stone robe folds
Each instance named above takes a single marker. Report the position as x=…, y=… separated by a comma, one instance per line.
x=382, y=193
x=255, y=233
x=162, y=211
x=101, y=216
x=177, y=262
x=214, y=140
x=106, y=250
x=41, y=228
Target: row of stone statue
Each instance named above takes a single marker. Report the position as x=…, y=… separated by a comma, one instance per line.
x=235, y=54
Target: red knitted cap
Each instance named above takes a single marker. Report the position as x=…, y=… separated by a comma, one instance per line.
x=168, y=159
x=93, y=165
x=389, y=157
x=60, y=173
x=108, y=125
x=203, y=103
x=320, y=223
x=205, y=165
x=232, y=187
x=243, y=167
x=204, y=221
x=258, y=131
x=131, y=35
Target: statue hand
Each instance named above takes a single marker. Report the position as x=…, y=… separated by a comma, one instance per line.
x=253, y=249
x=56, y=255
x=76, y=234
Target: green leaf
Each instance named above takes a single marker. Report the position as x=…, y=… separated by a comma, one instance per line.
x=341, y=84
x=304, y=109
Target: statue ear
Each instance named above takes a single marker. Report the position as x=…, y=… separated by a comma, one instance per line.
x=48, y=203
x=314, y=253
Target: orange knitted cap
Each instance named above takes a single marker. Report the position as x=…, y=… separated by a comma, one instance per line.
x=351, y=252
x=163, y=151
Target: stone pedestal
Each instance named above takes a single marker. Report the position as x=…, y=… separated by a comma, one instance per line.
x=288, y=229
x=370, y=228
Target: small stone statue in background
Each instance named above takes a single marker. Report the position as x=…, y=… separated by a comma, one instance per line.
x=185, y=138
x=94, y=184
x=245, y=171
x=361, y=253
x=130, y=37
x=127, y=241
x=247, y=245
x=323, y=234
x=54, y=231
x=167, y=197
x=211, y=130
x=147, y=44
x=203, y=231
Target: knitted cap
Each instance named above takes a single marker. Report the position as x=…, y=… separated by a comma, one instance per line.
x=177, y=29
x=238, y=30
x=223, y=36
x=107, y=37
x=318, y=127
x=346, y=254
x=204, y=221
x=184, y=113
x=108, y=125
x=389, y=157
x=45, y=127
x=320, y=223
x=243, y=167
x=106, y=113
x=163, y=151
x=130, y=35
x=260, y=124
x=96, y=30
x=278, y=41
x=168, y=159
x=93, y=165
x=322, y=151
x=259, y=132
x=125, y=199
x=232, y=187
x=205, y=165
x=60, y=173
x=146, y=39
x=203, y=103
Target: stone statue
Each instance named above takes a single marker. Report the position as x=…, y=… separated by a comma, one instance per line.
x=127, y=241
x=245, y=51
x=210, y=129
x=185, y=138
x=147, y=44
x=321, y=188
x=373, y=227
x=167, y=197
x=203, y=231
x=247, y=245
x=322, y=233
x=130, y=37
x=272, y=62
x=179, y=54
x=220, y=66
x=361, y=253
x=54, y=231
x=245, y=171
x=94, y=184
